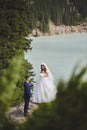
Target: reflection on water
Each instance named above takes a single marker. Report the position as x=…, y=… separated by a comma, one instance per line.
x=60, y=52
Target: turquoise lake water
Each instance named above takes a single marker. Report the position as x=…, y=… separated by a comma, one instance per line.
x=60, y=52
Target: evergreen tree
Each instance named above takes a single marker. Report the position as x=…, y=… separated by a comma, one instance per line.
x=14, y=26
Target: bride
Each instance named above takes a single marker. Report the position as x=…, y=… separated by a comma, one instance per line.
x=45, y=91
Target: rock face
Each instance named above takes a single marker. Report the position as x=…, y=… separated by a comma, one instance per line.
x=62, y=29
x=17, y=113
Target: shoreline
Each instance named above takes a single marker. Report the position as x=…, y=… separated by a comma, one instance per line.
x=59, y=30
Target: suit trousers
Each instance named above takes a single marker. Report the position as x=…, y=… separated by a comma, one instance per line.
x=26, y=104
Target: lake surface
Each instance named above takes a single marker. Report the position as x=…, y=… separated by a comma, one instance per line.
x=60, y=52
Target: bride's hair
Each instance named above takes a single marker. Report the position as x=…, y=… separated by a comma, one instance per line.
x=45, y=69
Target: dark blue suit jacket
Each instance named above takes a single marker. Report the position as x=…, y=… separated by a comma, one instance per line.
x=27, y=89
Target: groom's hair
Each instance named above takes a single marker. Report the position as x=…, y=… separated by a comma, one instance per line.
x=27, y=76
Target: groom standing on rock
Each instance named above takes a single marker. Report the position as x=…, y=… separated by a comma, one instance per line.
x=27, y=94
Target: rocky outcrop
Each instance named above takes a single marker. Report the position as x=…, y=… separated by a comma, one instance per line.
x=62, y=29
x=17, y=113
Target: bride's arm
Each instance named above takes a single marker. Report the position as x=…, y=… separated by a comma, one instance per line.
x=44, y=74
x=41, y=74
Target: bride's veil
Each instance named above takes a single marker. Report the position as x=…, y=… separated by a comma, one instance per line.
x=49, y=72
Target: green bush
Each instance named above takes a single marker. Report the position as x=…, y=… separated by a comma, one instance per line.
x=17, y=96
x=8, y=80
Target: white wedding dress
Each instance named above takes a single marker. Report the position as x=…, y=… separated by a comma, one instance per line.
x=44, y=91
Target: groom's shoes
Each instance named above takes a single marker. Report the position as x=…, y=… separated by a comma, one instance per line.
x=25, y=114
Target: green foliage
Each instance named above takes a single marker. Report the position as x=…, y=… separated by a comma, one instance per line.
x=14, y=18
x=14, y=27
x=68, y=12
x=19, y=20
x=6, y=124
x=18, y=96
x=81, y=5
x=8, y=80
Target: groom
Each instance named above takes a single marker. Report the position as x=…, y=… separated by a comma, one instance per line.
x=27, y=94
